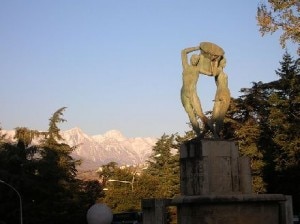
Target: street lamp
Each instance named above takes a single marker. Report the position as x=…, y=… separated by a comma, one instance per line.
x=21, y=213
x=123, y=181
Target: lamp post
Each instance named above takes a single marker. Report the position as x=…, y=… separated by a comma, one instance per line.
x=122, y=181
x=20, y=198
x=125, y=181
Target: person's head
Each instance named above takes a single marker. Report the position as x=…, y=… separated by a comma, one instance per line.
x=195, y=59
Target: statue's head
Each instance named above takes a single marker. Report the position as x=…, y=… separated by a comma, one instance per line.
x=195, y=59
x=222, y=62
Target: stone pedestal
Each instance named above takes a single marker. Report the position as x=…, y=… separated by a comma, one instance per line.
x=234, y=209
x=216, y=188
x=213, y=167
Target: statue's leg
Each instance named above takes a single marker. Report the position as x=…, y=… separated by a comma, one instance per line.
x=194, y=122
x=215, y=118
x=220, y=109
x=199, y=112
x=192, y=116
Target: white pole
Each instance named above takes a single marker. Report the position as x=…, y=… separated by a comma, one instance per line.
x=21, y=212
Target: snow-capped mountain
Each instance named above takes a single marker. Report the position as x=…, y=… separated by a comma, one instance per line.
x=112, y=146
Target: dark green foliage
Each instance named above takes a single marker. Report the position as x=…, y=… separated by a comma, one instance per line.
x=164, y=165
x=241, y=125
x=45, y=176
x=265, y=121
x=282, y=173
x=122, y=187
x=107, y=172
x=53, y=131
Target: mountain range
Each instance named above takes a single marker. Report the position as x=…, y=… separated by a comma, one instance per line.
x=98, y=150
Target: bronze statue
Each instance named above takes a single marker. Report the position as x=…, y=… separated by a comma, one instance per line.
x=211, y=62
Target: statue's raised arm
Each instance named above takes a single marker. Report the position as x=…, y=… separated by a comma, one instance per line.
x=184, y=56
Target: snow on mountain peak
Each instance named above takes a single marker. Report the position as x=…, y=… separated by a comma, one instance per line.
x=114, y=134
x=75, y=130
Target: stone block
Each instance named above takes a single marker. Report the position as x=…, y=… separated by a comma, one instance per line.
x=234, y=209
x=213, y=167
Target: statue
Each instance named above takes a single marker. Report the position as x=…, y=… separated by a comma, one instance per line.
x=211, y=62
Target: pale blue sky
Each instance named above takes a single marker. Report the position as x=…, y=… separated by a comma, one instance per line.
x=116, y=64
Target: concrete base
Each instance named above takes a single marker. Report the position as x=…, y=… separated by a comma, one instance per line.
x=216, y=188
x=234, y=209
x=213, y=167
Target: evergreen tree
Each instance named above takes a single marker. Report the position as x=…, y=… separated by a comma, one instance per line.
x=107, y=171
x=57, y=162
x=283, y=170
x=44, y=174
x=123, y=187
x=164, y=165
x=265, y=122
x=242, y=125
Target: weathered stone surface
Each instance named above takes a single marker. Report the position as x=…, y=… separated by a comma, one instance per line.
x=213, y=167
x=154, y=211
x=233, y=209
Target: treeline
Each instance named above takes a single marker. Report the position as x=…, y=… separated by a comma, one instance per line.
x=264, y=120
